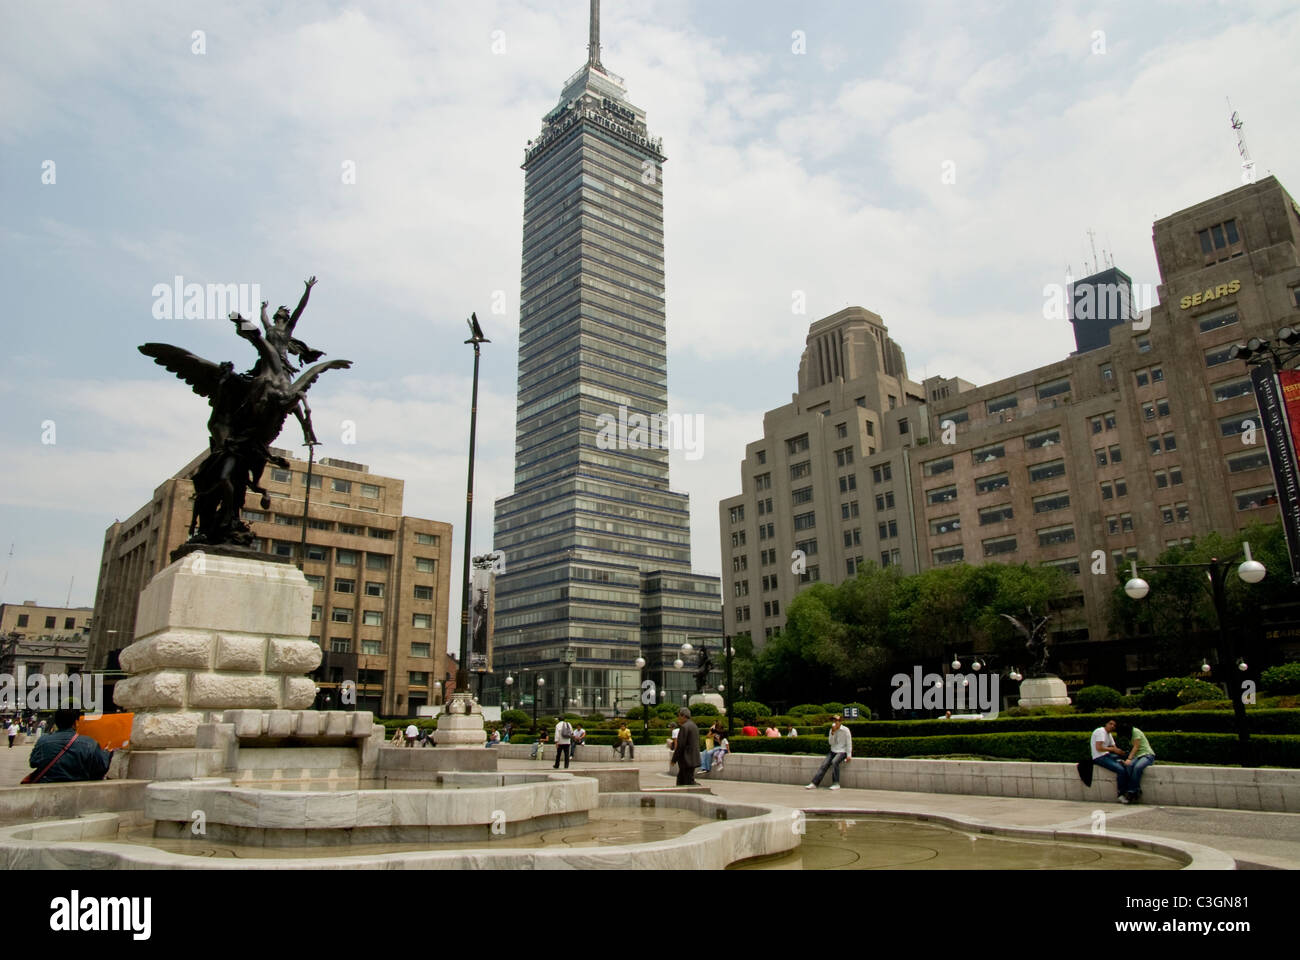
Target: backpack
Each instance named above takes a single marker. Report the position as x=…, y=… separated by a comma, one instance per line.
x=566, y=731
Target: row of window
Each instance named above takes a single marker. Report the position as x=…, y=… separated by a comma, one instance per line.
x=376, y=648
x=368, y=490
x=69, y=623
x=369, y=618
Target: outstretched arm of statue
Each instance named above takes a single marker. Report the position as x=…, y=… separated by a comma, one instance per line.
x=266, y=321
x=303, y=413
x=302, y=304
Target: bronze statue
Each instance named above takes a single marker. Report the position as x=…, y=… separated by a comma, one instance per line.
x=1034, y=630
x=703, y=670
x=248, y=413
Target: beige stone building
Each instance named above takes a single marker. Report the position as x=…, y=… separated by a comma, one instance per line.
x=1088, y=463
x=381, y=578
x=45, y=640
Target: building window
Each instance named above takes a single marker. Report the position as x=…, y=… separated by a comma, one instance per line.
x=1058, y=501
x=737, y=514
x=1258, y=497
x=841, y=431
x=1143, y=344
x=1116, y=455
x=316, y=612
x=1162, y=407
x=999, y=546
x=1107, y=374
x=345, y=558
x=341, y=614
x=935, y=467
x=1053, y=389
x=342, y=585
x=989, y=484
x=379, y=533
x=999, y=404
x=341, y=486
x=945, y=525
x=848, y=482
x=1231, y=389
x=1162, y=479
x=844, y=457
x=902, y=425
x=760, y=456
x=1143, y=378
x=805, y=521
x=997, y=514
x=420, y=650
x=800, y=470
x=372, y=648
x=317, y=582
x=1217, y=355
x=1220, y=242
x=763, y=481
x=885, y=501
x=1247, y=461
x=882, y=473
x=802, y=495
x=280, y=476
x=1101, y=457
x=807, y=547
x=370, y=491
x=810, y=575
x=422, y=621
x=941, y=495
x=282, y=548
x=1046, y=471
x=1096, y=424
x=315, y=481
x=340, y=645
x=797, y=445
x=374, y=588
x=1051, y=536
x=1048, y=438
x=948, y=555
x=1170, y=442
x=372, y=618
x=1121, y=487
x=988, y=454
x=426, y=565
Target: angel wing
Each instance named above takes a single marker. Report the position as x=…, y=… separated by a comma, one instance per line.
x=202, y=375
x=311, y=373
x=1020, y=627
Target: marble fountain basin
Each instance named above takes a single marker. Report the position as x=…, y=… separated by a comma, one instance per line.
x=469, y=820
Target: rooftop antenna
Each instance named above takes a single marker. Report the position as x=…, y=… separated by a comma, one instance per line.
x=593, y=36
x=68, y=601
x=1092, y=242
x=1247, y=164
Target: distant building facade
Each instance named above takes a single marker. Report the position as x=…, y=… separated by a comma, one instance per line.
x=43, y=640
x=1086, y=464
x=381, y=579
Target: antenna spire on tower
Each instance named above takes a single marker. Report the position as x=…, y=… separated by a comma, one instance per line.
x=593, y=36
x=1247, y=164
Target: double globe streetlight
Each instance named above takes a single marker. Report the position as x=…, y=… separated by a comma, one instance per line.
x=1250, y=571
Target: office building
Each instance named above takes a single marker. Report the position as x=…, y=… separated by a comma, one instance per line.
x=1104, y=457
x=381, y=578
x=43, y=640
x=596, y=546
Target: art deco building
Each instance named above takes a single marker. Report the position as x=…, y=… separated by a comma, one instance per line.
x=1109, y=455
x=381, y=580
x=596, y=544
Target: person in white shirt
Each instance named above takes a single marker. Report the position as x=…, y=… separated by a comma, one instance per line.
x=1106, y=754
x=411, y=733
x=841, y=751
x=563, y=737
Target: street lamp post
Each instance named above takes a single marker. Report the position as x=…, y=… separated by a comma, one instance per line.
x=645, y=707
x=731, y=652
x=1250, y=571
x=510, y=682
x=537, y=692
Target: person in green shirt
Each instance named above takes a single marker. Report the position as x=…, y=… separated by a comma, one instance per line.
x=1140, y=756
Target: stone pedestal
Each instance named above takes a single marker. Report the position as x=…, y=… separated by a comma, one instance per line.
x=461, y=724
x=215, y=633
x=713, y=699
x=1043, y=692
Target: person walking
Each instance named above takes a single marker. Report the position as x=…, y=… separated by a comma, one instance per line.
x=841, y=751
x=1106, y=754
x=412, y=731
x=11, y=730
x=686, y=749
x=563, y=739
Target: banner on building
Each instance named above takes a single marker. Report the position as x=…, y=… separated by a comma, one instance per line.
x=481, y=620
x=1279, y=408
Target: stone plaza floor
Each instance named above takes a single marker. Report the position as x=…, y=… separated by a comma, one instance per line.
x=1255, y=840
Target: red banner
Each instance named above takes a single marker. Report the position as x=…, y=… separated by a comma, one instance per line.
x=1291, y=398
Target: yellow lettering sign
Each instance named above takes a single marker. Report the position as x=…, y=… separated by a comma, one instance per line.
x=1208, y=294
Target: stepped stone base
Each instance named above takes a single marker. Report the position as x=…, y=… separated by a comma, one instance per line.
x=1044, y=692
x=220, y=633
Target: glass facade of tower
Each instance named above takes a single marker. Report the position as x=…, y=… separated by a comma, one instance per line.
x=596, y=546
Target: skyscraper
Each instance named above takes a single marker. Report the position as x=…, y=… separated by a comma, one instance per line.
x=596, y=545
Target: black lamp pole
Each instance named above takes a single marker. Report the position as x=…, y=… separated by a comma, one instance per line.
x=462, y=666
x=730, y=689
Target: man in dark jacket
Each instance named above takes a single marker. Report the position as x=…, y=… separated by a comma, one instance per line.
x=686, y=753
x=83, y=760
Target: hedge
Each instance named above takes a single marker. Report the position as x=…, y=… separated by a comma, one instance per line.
x=1047, y=747
x=1281, y=679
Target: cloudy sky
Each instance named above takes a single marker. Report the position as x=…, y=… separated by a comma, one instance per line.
x=936, y=163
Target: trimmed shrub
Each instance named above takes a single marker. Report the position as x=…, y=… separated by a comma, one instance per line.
x=832, y=707
x=749, y=711
x=666, y=710
x=517, y=717
x=1207, y=705
x=704, y=710
x=1164, y=694
x=806, y=708
x=1262, y=721
x=864, y=711
x=1281, y=679
x=1130, y=701
x=1097, y=697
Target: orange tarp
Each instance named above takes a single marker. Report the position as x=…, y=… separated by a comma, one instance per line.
x=112, y=731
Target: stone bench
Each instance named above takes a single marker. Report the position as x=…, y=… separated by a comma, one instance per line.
x=1233, y=788
x=591, y=753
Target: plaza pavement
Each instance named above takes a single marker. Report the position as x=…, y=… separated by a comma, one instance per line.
x=1255, y=840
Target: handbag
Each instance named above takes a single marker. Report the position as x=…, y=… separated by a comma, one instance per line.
x=30, y=778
